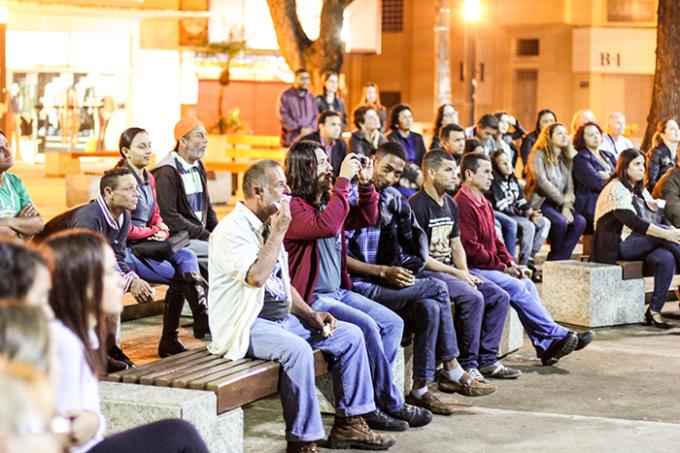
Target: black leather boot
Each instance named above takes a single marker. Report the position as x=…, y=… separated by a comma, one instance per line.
x=172, y=310
x=195, y=288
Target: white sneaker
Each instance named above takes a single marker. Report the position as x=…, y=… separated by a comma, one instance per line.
x=477, y=376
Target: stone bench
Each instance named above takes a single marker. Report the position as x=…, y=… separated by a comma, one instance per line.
x=126, y=406
x=205, y=390
x=593, y=294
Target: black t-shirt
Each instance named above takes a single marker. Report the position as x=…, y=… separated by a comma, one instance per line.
x=439, y=222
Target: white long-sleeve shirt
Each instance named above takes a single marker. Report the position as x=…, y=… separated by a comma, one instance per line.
x=78, y=387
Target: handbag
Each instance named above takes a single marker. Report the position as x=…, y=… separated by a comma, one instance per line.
x=160, y=250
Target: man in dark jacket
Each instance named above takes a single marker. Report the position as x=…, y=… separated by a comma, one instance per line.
x=668, y=188
x=182, y=188
x=328, y=136
x=297, y=109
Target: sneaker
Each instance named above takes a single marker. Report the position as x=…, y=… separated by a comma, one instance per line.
x=413, y=415
x=499, y=371
x=301, y=447
x=559, y=349
x=383, y=422
x=583, y=339
x=477, y=376
x=467, y=386
x=353, y=432
x=433, y=404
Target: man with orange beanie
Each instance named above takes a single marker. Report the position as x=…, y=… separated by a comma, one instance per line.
x=182, y=188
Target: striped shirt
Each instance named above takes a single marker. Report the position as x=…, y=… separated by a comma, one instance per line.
x=193, y=186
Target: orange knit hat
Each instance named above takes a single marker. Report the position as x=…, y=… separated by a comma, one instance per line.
x=186, y=125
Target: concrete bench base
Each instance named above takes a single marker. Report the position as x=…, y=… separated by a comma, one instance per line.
x=591, y=294
x=126, y=406
x=513, y=334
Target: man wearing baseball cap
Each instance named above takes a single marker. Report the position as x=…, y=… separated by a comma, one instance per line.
x=182, y=188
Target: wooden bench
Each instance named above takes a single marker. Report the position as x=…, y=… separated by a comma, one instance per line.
x=235, y=153
x=235, y=383
x=63, y=163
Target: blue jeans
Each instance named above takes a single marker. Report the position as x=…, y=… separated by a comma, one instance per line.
x=531, y=237
x=661, y=256
x=163, y=271
x=382, y=329
x=508, y=231
x=535, y=318
x=563, y=236
x=426, y=309
x=478, y=320
x=290, y=342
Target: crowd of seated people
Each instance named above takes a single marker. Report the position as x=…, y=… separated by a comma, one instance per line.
x=352, y=251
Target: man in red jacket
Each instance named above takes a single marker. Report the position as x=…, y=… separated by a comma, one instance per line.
x=487, y=255
x=317, y=255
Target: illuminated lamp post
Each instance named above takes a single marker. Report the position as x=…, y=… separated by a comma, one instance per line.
x=472, y=13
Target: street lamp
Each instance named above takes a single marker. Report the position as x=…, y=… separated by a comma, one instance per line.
x=472, y=13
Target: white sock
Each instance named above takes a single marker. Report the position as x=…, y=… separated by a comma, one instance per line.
x=418, y=393
x=454, y=374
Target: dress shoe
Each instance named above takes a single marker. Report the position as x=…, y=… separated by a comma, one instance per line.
x=383, y=422
x=433, y=404
x=116, y=353
x=170, y=346
x=559, y=349
x=466, y=386
x=655, y=319
x=584, y=339
x=413, y=415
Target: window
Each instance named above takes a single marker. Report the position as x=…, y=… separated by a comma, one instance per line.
x=631, y=10
x=527, y=47
x=392, y=16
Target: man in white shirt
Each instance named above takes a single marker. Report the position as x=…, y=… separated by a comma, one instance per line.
x=614, y=141
x=256, y=312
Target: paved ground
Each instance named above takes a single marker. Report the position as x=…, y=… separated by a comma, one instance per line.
x=619, y=395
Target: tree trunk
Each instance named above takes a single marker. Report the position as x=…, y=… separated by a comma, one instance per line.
x=666, y=94
x=323, y=54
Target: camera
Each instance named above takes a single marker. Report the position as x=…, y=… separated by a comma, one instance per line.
x=363, y=160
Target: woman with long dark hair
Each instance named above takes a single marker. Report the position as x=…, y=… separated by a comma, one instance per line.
x=87, y=287
x=446, y=114
x=330, y=99
x=629, y=226
x=592, y=167
x=664, y=152
x=181, y=270
x=545, y=118
x=550, y=188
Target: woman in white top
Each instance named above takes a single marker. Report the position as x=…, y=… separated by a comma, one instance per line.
x=86, y=288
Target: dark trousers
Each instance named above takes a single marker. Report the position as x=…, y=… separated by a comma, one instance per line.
x=661, y=256
x=563, y=236
x=165, y=436
x=479, y=318
x=426, y=309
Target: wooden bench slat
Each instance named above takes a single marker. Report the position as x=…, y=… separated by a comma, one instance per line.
x=174, y=369
x=132, y=375
x=211, y=367
x=184, y=377
x=200, y=383
x=256, y=384
x=632, y=269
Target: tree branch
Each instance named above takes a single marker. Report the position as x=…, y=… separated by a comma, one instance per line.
x=290, y=35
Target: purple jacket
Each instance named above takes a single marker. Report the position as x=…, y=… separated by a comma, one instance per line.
x=296, y=112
